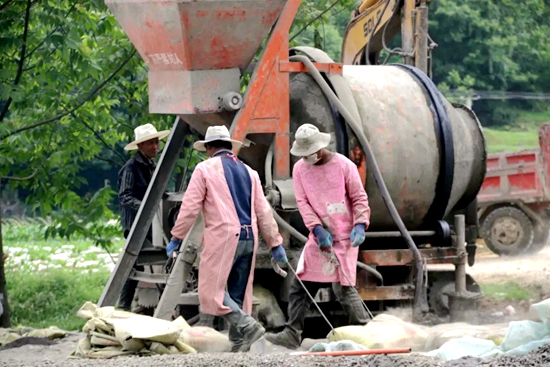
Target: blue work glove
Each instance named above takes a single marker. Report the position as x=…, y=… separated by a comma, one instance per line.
x=279, y=254
x=324, y=238
x=172, y=246
x=357, y=235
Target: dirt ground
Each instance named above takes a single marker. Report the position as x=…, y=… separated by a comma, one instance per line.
x=529, y=271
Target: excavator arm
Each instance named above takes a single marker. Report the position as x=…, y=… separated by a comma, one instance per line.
x=375, y=23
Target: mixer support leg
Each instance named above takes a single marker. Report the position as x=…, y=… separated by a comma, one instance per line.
x=145, y=214
x=462, y=302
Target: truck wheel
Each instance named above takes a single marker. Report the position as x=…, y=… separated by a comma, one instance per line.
x=540, y=238
x=507, y=231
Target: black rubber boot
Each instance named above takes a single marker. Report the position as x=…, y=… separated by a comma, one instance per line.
x=286, y=338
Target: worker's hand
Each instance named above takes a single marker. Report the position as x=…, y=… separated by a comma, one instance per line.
x=172, y=246
x=357, y=235
x=324, y=238
x=279, y=254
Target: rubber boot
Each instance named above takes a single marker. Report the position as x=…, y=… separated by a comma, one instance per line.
x=286, y=338
x=236, y=339
x=251, y=333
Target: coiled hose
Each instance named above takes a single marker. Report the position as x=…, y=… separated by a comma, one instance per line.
x=372, y=165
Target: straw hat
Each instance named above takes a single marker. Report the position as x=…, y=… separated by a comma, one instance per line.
x=216, y=133
x=309, y=140
x=144, y=133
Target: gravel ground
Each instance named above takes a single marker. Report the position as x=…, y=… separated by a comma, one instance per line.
x=55, y=355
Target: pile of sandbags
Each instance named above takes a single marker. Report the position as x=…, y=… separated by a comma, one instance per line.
x=9, y=335
x=112, y=333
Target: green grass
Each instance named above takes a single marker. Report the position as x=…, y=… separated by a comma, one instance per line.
x=49, y=280
x=52, y=297
x=522, y=135
x=510, y=140
x=507, y=291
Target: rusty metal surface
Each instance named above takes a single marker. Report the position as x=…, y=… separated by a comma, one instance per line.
x=176, y=38
x=268, y=87
x=398, y=292
x=298, y=67
x=445, y=255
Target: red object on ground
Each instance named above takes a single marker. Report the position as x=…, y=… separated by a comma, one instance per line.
x=342, y=353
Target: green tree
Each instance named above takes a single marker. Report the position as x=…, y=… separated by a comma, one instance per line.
x=488, y=45
x=73, y=88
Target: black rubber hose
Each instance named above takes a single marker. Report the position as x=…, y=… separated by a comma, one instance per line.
x=373, y=166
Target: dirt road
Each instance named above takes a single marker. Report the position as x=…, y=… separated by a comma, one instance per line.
x=526, y=271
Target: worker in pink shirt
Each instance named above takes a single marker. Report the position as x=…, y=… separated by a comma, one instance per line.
x=234, y=208
x=335, y=209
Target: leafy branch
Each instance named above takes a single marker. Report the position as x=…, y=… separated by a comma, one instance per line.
x=80, y=104
x=21, y=59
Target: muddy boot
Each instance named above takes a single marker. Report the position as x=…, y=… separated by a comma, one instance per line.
x=251, y=333
x=286, y=338
x=235, y=338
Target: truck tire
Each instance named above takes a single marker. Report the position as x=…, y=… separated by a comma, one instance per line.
x=507, y=231
x=540, y=238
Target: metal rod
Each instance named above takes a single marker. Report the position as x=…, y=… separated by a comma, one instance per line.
x=358, y=352
x=421, y=49
x=332, y=258
x=310, y=296
x=460, y=267
x=398, y=234
x=407, y=30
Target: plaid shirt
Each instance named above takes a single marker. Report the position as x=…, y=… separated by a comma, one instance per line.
x=133, y=180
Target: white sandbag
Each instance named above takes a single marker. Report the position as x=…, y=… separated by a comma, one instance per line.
x=441, y=334
x=523, y=332
x=205, y=340
x=384, y=331
x=145, y=328
x=466, y=346
x=87, y=311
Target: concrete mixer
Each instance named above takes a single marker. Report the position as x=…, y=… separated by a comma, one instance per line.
x=422, y=159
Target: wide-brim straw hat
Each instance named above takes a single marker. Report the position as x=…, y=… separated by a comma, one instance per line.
x=309, y=140
x=144, y=133
x=214, y=133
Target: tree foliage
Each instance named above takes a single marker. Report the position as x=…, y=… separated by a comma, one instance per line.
x=73, y=89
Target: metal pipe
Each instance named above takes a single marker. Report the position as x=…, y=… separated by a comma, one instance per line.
x=460, y=267
x=358, y=352
x=421, y=49
x=419, y=300
x=371, y=270
x=269, y=166
x=293, y=231
x=398, y=234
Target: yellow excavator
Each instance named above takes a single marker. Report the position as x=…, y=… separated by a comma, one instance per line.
x=375, y=23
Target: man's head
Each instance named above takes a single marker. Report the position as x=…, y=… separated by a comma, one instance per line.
x=147, y=140
x=149, y=148
x=215, y=139
x=310, y=144
x=216, y=145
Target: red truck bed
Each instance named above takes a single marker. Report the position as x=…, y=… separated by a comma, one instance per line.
x=513, y=177
x=514, y=199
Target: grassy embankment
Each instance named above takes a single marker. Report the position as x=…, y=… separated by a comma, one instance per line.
x=523, y=135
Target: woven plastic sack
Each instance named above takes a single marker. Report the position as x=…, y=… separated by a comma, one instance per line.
x=384, y=331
